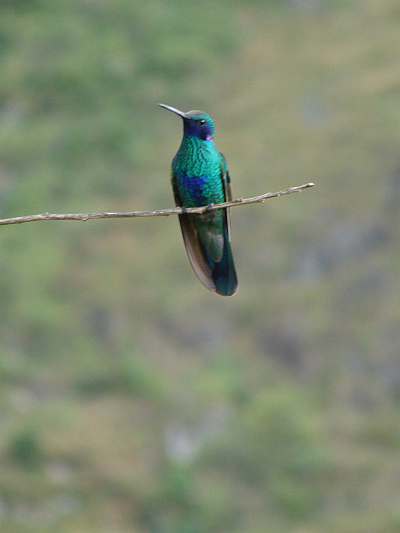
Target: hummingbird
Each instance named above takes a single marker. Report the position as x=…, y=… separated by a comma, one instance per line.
x=200, y=177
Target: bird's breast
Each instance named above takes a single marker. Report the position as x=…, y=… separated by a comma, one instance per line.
x=194, y=190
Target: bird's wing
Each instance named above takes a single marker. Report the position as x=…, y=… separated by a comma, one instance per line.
x=227, y=189
x=225, y=177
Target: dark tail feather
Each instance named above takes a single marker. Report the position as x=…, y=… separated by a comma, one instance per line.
x=217, y=277
x=223, y=273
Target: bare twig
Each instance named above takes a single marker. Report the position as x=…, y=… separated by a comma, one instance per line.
x=161, y=213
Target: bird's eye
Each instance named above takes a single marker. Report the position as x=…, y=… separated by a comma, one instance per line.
x=202, y=122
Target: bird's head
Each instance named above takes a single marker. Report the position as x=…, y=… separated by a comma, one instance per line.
x=195, y=123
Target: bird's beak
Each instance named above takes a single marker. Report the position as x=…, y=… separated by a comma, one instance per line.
x=176, y=111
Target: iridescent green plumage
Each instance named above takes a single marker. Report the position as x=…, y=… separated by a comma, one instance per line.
x=200, y=177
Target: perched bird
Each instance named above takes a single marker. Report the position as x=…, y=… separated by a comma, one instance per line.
x=200, y=177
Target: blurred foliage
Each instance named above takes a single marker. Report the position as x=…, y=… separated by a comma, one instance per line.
x=131, y=398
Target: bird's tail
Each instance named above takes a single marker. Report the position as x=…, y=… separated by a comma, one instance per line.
x=223, y=272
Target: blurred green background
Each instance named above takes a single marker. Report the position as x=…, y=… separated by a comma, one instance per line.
x=134, y=400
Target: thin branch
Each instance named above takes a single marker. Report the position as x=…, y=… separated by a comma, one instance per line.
x=161, y=213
